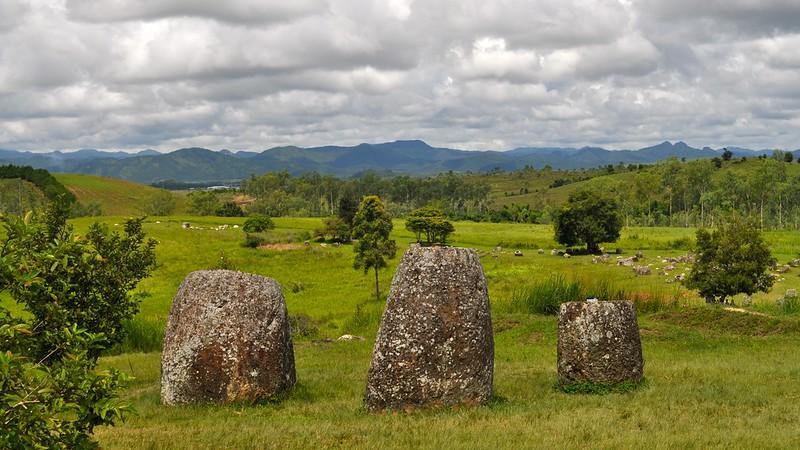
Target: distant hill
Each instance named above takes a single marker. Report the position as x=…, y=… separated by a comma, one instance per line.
x=412, y=157
x=115, y=197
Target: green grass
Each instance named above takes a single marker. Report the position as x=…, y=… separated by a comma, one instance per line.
x=716, y=378
x=704, y=390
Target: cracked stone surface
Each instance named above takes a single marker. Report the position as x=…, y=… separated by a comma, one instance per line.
x=598, y=342
x=435, y=345
x=227, y=340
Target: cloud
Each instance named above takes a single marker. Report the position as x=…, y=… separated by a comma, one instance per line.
x=235, y=11
x=469, y=73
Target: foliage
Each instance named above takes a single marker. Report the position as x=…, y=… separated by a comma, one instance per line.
x=257, y=223
x=89, y=277
x=229, y=209
x=51, y=187
x=431, y=223
x=203, y=203
x=280, y=194
x=252, y=241
x=348, y=207
x=587, y=218
x=733, y=259
x=371, y=226
x=75, y=291
x=161, y=203
x=335, y=228
x=91, y=209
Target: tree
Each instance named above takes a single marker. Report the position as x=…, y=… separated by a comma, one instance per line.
x=788, y=157
x=432, y=223
x=587, y=218
x=203, y=203
x=727, y=155
x=347, y=209
x=257, y=223
x=372, y=226
x=75, y=294
x=229, y=209
x=162, y=203
x=336, y=228
x=732, y=259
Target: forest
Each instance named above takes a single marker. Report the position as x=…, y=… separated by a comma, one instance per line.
x=669, y=193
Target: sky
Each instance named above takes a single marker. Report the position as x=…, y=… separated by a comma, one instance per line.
x=471, y=74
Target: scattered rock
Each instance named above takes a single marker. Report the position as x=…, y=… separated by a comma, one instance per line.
x=350, y=337
x=540, y=251
x=642, y=270
x=553, y=252
x=794, y=263
x=186, y=225
x=517, y=253
x=791, y=293
x=598, y=342
x=227, y=340
x=435, y=345
x=567, y=255
x=783, y=269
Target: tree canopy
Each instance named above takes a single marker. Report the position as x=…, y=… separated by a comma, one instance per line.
x=371, y=227
x=587, y=218
x=431, y=223
x=731, y=260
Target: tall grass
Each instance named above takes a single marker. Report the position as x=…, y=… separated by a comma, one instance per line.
x=141, y=336
x=546, y=296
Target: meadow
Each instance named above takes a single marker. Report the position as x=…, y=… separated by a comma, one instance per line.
x=715, y=377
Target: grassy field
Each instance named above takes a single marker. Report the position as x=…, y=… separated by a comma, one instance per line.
x=715, y=378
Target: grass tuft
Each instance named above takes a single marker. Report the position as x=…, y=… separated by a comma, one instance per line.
x=600, y=388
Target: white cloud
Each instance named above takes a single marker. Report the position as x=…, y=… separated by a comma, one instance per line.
x=470, y=73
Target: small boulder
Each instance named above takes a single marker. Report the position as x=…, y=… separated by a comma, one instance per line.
x=598, y=342
x=642, y=270
x=227, y=340
x=518, y=253
x=435, y=345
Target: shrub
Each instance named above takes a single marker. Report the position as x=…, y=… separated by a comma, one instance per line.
x=302, y=325
x=75, y=292
x=252, y=241
x=162, y=203
x=229, y=209
x=734, y=259
x=257, y=223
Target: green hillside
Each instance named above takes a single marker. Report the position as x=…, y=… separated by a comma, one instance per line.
x=115, y=197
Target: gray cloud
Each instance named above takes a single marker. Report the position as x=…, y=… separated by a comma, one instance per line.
x=125, y=74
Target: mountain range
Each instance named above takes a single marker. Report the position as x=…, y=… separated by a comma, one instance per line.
x=412, y=157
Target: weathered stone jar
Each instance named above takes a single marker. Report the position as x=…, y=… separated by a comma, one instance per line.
x=598, y=342
x=435, y=345
x=227, y=340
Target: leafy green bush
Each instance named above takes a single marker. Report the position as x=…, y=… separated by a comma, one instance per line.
x=252, y=241
x=229, y=209
x=257, y=223
x=75, y=292
x=731, y=260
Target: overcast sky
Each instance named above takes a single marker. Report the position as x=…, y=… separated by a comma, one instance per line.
x=473, y=74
